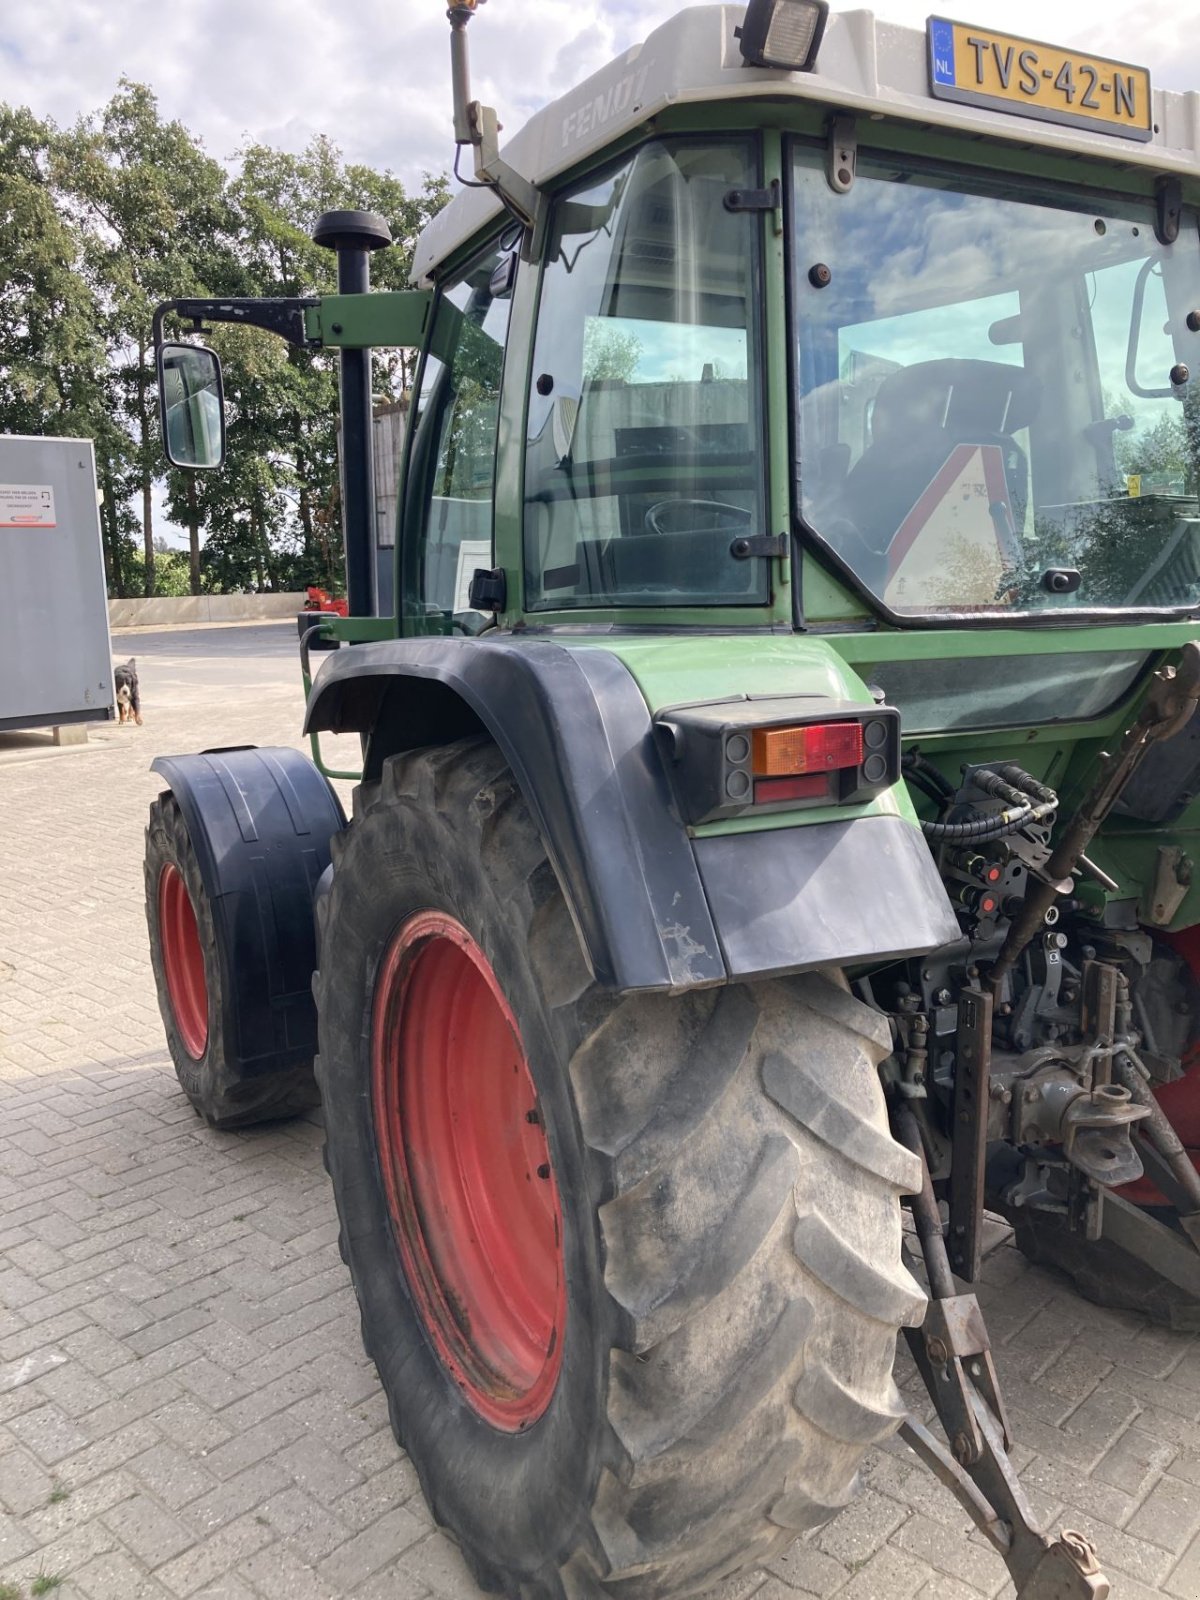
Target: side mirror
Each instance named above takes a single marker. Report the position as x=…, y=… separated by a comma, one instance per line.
x=191, y=403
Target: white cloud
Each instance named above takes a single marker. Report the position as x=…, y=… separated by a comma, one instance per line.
x=374, y=74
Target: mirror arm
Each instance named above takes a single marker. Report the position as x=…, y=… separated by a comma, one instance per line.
x=284, y=317
x=476, y=125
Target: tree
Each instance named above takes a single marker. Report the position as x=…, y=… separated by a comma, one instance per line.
x=283, y=400
x=156, y=223
x=100, y=224
x=609, y=354
x=51, y=354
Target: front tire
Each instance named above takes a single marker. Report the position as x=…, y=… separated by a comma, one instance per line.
x=728, y=1223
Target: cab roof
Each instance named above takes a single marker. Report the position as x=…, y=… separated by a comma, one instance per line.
x=864, y=66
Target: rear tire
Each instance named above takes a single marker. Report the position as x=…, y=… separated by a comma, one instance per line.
x=730, y=1220
x=197, y=1002
x=1103, y=1272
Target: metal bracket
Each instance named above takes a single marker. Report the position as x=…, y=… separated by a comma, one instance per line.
x=842, y=158
x=759, y=544
x=953, y=1353
x=517, y=193
x=1099, y=1018
x=969, y=1154
x=284, y=317
x=1172, y=880
x=476, y=125
x=754, y=199
x=1168, y=200
x=1065, y=1568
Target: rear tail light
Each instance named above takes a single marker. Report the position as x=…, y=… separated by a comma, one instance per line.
x=731, y=758
x=812, y=786
x=820, y=747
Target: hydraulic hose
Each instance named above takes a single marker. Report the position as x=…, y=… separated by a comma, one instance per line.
x=993, y=827
x=1007, y=782
x=1025, y=781
x=929, y=789
x=914, y=762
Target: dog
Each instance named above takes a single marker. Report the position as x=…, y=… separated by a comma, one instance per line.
x=129, y=700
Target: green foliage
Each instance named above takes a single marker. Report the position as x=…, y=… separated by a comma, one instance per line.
x=101, y=222
x=51, y=354
x=609, y=353
x=46, y=1583
x=1171, y=447
x=10, y=1591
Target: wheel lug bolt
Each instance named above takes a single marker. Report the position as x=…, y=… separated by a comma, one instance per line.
x=544, y=1170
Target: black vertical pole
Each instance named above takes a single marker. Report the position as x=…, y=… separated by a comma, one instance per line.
x=354, y=234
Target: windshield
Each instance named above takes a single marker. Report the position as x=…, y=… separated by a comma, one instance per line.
x=994, y=412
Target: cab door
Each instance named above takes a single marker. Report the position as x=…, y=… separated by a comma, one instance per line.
x=447, y=526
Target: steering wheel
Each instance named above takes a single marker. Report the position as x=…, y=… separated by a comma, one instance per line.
x=714, y=514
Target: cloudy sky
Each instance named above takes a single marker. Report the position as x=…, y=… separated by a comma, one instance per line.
x=373, y=74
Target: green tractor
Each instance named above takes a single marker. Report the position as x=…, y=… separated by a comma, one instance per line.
x=779, y=783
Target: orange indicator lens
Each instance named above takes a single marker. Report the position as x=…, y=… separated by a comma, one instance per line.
x=823, y=747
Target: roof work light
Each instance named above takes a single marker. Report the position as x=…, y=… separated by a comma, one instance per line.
x=783, y=33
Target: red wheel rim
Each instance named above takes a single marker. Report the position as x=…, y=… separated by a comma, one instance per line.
x=183, y=960
x=466, y=1166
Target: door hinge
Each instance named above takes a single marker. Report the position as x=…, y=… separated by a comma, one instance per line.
x=754, y=199
x=1168, y=197
x=759, y=544
x=488, y=590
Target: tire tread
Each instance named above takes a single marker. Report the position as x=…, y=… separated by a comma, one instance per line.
x=752, y=1349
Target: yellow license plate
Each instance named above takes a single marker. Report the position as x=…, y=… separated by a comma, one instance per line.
x=979, y=67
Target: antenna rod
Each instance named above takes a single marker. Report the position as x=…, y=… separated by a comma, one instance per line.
x=477, y=126
x=460, y=73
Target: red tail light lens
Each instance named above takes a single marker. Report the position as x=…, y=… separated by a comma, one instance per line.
x=820, y=747
x=811, y=786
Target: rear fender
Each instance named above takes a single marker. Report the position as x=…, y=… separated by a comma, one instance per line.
x=655, y=908
x=260, y=822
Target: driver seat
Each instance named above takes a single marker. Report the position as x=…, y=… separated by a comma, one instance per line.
x=920, y=414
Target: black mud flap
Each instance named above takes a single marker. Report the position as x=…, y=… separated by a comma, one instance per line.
x=260, y=822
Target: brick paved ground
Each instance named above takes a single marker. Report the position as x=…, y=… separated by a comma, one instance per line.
x=185, y=1409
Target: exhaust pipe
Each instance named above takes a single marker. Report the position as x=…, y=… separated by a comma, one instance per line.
x=354, y=235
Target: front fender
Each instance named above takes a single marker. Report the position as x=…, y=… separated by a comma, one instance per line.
x=576, y=732
x=655, y=908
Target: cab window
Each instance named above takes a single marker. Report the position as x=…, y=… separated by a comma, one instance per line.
x=448, y=519
x=995, y=408
x=643, y=467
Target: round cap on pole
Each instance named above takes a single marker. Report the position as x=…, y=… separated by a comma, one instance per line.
x=361, y=230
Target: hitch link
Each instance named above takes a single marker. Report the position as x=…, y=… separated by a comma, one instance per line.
x=953, y=1354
